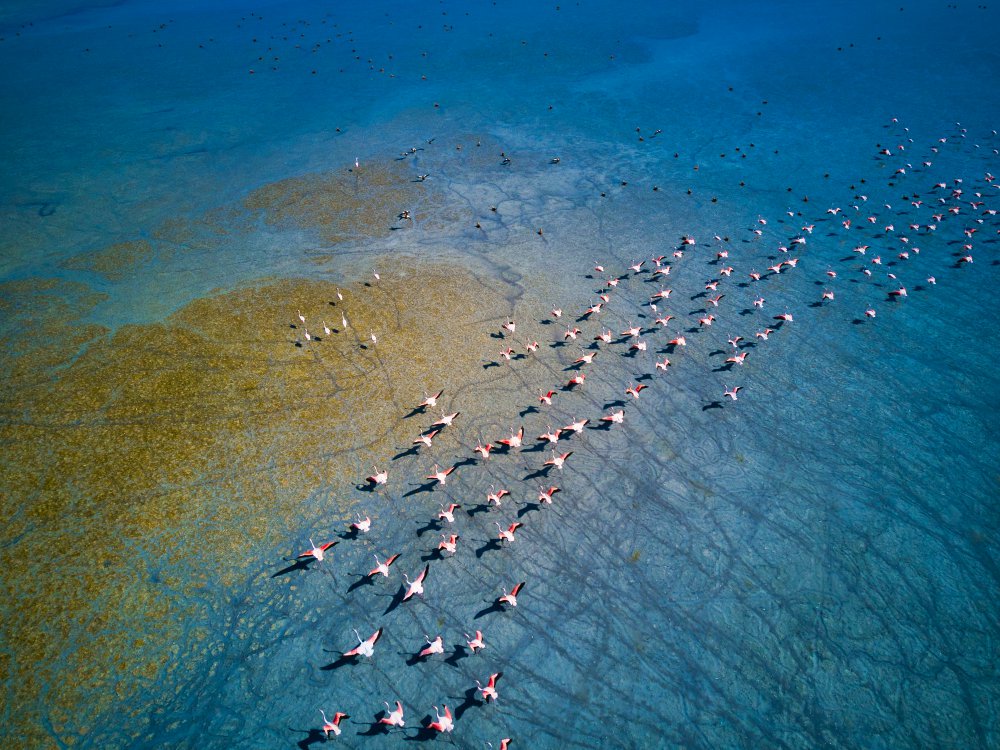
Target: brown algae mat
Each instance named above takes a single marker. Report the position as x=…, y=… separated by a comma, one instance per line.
x=141, y=468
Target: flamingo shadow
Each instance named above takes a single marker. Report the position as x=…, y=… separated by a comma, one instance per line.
x=492, y=544
x=471, y=701
x=303, y=564
x=364, y=580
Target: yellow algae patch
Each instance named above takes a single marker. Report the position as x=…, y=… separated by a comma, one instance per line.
x=351, y=204
x=114, y=262
x=140, y=469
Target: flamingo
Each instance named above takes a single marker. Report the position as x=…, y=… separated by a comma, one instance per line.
x=633, y=390
x=430, y=400
x=493, y=497
x=382, y=568
x=443, y=723
x=511, y=598
x=446, y=419
x=577, y=426
x=448, y=544
x=433, y=647
x=366, y=646
x=477, y=643
x=731, y=392
x=616, y=417
x=737, y=358
x=333, y=726
x=416, y=586
x=515, y=440
x=551, y=436
x=545, y=496
x=362, y=525
x=507, y=535
x=378, y=477
x=490, y=691
x=448, y=514
x=439, y=475
x=393, y=718
x=317, y=552
x=558, y=461
x=427, y=439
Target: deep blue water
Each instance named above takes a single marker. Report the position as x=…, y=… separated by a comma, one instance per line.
x=813, y=565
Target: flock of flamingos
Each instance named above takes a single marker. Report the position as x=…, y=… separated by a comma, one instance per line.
x=885, y=254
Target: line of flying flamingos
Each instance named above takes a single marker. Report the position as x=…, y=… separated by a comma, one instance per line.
x=938, y=204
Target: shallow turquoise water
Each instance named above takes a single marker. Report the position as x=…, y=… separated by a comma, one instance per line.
x=812, y=565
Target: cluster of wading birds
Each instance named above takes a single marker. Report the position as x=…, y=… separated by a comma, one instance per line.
x=945, y=200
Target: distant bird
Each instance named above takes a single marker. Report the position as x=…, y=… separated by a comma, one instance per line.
x=731, y=392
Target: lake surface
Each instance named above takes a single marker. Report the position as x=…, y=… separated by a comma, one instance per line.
x=209, y=211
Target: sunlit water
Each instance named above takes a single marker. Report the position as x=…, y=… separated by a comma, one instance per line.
x=811, y=565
